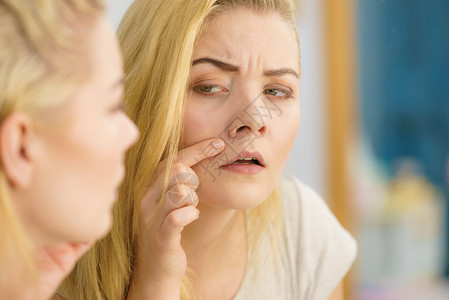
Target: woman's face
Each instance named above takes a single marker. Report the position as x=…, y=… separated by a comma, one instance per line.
x=80, y=151
x=244, y=88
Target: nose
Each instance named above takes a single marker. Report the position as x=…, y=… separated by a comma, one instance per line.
x=251, y=120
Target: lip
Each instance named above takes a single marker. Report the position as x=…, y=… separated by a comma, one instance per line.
x=245, y=169
x=254, y=154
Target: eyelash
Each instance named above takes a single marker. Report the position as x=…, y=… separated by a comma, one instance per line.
x=197, y=89
x=287, y=93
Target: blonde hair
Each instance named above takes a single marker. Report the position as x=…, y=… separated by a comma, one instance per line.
x=158, y=38
x=38, y=60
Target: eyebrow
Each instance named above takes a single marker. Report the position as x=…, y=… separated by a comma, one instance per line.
x=219, y=64
x=232, y=68
x=281, y=72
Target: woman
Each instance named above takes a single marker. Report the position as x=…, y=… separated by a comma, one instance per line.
x=62, y=139
x=227, y=69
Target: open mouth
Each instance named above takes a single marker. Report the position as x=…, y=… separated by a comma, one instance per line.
x=246, y=158
x=246, y=161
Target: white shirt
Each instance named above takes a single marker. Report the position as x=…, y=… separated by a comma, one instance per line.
x=314, y=252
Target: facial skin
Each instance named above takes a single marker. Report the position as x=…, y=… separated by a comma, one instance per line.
x=244, y=88
x=76, y=157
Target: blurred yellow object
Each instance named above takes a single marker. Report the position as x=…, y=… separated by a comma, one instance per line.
x=408, y=189
x=411, y=195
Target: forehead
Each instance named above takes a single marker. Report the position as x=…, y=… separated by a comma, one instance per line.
x=104, y=69
x=90, y=89
x=241, y=34
x=105, y=66
x=103, y=52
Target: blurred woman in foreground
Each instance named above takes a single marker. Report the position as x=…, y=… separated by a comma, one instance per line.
x=63, y=136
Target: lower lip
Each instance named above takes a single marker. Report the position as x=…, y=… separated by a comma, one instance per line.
x=249, y=169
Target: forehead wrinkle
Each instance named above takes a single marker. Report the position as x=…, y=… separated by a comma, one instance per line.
x=254, y=44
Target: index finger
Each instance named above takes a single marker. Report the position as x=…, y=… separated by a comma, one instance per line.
x=194, y=154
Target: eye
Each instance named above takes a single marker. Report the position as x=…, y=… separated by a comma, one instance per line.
x=209, y=90
x=279, y=93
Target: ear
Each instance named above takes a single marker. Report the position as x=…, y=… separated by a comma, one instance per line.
x=15, y=139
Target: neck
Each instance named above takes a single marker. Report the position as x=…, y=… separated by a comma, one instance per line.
x=24, y=223
x=215, y=232
x=216, y=250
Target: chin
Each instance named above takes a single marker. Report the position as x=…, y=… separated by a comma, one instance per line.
x=106, y=226
x=244, y=198
x=99, y=229
x=234, y=191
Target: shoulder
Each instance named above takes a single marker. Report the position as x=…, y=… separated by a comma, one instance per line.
x=324, y=249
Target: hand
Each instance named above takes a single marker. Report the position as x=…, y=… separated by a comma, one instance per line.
x=161, y=261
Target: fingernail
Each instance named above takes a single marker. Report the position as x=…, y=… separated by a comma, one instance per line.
x=218, y=144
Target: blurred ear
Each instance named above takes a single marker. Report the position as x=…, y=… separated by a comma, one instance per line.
x=15, y=142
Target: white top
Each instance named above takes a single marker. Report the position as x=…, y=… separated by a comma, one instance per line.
x=313, y=255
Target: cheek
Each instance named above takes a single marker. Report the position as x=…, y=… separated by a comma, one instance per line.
x=193, y=127
x=285, y=129
x=201, y=124
x=92, y=151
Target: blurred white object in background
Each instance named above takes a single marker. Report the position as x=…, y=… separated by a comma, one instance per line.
x=402, y=236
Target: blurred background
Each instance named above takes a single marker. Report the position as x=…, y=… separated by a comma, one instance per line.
x=375, y=107
x=374, y=137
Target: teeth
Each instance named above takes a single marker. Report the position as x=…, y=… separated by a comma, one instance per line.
x=244, y=160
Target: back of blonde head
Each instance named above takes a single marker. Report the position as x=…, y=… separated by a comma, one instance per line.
x=158, y=39
x=38, y=57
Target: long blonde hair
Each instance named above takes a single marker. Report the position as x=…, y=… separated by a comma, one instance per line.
x=38, y=60
x=158, y=38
